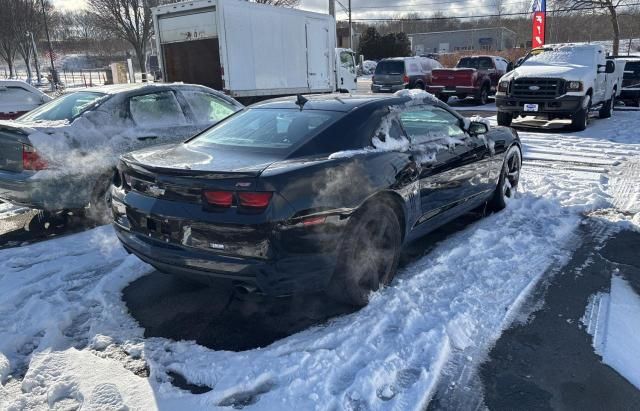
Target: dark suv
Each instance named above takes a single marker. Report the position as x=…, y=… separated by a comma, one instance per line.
x=398, y=73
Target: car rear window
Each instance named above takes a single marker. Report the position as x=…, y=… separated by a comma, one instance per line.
x=632, y=70
x=481, y=63
x=390, y=67
x=65, y=107
x=278, y=129
x=18, y=95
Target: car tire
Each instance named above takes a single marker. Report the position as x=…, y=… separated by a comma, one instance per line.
x=369, y=255
x=419, y=85
x=443, y=97
x=508, y=181
x=99, y=209
x=607, y=108
x=504, y=119
x=483, y=96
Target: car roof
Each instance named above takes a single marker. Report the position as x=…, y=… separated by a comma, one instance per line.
x=21, y=84
x=136, y=87
x=332, y=102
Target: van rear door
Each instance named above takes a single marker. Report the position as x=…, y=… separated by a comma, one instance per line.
x=318, y=62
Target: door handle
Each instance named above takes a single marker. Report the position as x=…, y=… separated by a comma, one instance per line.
x=145, y=138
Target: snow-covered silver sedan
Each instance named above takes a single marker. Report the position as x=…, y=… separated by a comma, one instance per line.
x=60, y=156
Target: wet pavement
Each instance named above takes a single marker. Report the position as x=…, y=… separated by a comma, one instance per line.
x=549, y=362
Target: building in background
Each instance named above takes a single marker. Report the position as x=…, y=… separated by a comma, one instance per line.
x=489, y=39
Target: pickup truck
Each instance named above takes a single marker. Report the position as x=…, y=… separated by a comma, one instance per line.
x=475, y=76
x=561, y=81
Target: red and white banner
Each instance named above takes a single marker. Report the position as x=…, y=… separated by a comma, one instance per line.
x=537, y=37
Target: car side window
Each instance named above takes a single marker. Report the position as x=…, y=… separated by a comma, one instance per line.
x=207, y=107
x=156, y=110
x=427, y=124
x=346, y=61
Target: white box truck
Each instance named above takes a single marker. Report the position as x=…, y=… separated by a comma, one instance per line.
x=251, y=50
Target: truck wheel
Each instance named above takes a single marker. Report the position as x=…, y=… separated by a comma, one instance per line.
x=419, y=85
x=580, y=120
x=607, y=107
x=483, y=97
x=504, y=119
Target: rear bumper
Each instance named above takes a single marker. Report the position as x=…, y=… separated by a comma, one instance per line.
x=296, y=259
x=387, y=88
x=44, y=193
x=452, y=90
x=563, y=105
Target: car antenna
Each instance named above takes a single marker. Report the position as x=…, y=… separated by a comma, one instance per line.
x=301, y=101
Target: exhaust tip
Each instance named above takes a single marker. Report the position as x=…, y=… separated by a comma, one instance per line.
x=244, y=289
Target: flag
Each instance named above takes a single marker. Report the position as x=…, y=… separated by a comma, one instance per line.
x=539, y=9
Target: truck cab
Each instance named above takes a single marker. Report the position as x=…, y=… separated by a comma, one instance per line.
x=475, y=76
x=561, y=81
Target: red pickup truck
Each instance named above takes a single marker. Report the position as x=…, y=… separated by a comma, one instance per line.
x=475, y=76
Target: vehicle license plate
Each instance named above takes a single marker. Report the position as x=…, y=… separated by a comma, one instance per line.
x=530, y=107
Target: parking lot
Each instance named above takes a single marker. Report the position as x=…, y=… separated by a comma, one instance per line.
x=530, y=270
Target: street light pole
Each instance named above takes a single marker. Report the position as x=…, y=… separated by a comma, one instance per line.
x=54, y=75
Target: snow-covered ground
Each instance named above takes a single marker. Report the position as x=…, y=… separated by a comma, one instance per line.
x=66, y=337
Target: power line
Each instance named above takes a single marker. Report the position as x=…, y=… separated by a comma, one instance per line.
x=438, y=3
x=382, y=19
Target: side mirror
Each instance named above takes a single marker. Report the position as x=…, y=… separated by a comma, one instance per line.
x=510, y=67
x=477, y=128
x=610, y=67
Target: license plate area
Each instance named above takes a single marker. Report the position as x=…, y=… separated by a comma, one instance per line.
x=531, y=107
x=161, y=229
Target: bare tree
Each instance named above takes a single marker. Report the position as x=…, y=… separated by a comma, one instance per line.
x=8, y=43
x=281, y=3
x=130, y=20
x=612, y=7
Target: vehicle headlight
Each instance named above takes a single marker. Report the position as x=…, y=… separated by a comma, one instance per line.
x=503, y=86
x=574, y=86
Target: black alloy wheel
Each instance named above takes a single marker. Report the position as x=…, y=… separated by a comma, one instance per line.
x=369, y=256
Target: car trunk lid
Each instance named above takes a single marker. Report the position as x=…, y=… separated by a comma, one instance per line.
x=453, y=77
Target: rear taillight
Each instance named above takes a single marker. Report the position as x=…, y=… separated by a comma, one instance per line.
x=31, y=160
x=254, y=200
x=219, y=198
x=405, y=79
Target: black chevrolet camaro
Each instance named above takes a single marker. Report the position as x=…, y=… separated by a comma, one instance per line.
x=306, y=194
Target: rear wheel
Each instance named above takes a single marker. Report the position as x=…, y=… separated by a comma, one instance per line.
x=607, y=109
x=369, y=256
x=504, y=118
x=483, y=96
x=419, y=85
x=443, y=97
x=508, y=181
x=99, y=210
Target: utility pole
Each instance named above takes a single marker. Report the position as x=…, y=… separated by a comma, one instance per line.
x=54, y=75
x=350, y=28
x=332, y=8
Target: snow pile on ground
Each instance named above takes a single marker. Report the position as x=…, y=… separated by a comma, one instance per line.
x=62, y=323
x=613, y=320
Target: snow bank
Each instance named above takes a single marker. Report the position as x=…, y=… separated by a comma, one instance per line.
x=64, y=327
x=613, y=320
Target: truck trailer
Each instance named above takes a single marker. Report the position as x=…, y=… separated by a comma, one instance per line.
x=251, y=51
